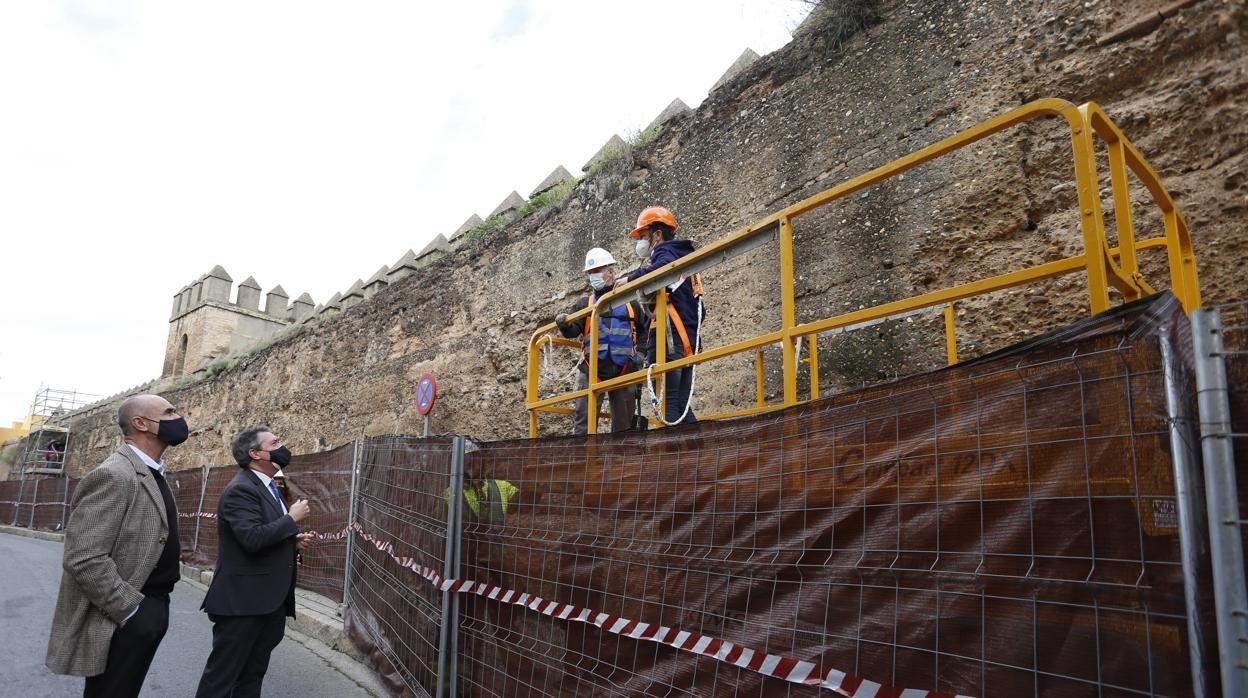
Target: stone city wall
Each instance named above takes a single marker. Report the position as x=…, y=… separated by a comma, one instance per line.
x=791, y=124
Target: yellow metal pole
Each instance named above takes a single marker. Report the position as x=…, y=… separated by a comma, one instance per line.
x=660, y=350
x=1127, y=259
x=1188, y=280
x=951, y=336
x=760, y=379
x=788, y=313
x=1090, y=221
x=592, y=381
x=531, y=388
x=813, y=342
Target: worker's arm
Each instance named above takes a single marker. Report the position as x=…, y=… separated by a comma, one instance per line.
x=642, y=328
x=571, y=330
x=662, y=256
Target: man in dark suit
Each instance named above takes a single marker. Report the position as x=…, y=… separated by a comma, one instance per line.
x=253, y=585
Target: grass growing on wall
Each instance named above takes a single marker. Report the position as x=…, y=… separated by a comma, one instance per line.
x=645, y=137
x=485, y=226
x=555, y=195
x=838, y=20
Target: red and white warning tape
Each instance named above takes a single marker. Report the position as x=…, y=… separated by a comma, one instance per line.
x=775, y=666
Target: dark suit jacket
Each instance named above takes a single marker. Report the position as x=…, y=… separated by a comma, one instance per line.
x=255, y=572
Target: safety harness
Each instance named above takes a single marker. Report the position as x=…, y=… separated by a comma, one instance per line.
x=695, y=285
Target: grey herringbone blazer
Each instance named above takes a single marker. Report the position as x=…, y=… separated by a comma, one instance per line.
x=113, y=539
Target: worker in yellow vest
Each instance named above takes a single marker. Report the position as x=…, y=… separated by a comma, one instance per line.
x=487, y=500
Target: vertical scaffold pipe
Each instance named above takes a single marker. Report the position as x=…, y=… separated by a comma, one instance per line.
x=1189, y=501
x=1230, y=594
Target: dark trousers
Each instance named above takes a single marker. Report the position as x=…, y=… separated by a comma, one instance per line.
x=623, y=407
x=241, y=646
x=679, y=385
x=131, y=650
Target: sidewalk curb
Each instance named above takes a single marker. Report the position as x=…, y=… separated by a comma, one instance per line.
x=316, y=621
x=323, y=634
x=28, y=533
x=315, y=616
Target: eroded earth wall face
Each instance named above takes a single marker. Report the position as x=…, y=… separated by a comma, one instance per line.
x=799, y=120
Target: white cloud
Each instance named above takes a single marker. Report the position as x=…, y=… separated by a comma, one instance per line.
x=305, y=143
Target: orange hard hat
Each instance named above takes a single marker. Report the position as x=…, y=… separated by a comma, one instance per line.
x=651, y=215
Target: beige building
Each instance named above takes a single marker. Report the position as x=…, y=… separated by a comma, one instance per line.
x=206, y=325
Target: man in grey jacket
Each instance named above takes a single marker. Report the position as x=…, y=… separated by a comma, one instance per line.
x=121, y=557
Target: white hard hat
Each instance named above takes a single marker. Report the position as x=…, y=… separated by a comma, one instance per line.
x=598, y=257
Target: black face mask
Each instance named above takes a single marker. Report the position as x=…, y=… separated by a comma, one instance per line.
x=171, y=432
x=280, y=456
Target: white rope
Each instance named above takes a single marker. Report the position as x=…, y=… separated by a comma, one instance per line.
x=693, y=377
x=550, y=372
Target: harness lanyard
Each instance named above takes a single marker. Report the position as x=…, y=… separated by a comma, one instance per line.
x=693, y=375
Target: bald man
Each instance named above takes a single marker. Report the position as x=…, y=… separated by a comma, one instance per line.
x=121, y=557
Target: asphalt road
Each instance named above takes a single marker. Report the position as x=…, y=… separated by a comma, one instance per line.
x=30, y=572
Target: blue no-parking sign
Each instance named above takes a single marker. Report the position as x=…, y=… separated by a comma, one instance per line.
x=426, y=394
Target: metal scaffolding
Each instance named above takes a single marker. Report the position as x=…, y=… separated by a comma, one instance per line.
x=44, y=453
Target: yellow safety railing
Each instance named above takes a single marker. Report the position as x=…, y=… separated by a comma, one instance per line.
x=1106, y=266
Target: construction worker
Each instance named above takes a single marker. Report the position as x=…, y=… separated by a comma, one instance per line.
x=487, y=501
x=656, y=246
x=617, y=344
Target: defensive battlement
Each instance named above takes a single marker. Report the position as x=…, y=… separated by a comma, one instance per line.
x=217, y=287
x=212, y=319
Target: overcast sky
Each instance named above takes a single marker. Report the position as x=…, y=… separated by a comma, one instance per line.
x=304, y=143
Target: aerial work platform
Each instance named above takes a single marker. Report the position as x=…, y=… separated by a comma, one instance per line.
x=1110, y=260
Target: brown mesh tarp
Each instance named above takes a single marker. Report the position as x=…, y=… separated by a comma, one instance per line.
x=49, y=496
x=394, y=615
x=324, y=479
x=9, y=492
x=24, y=496
x=205, y=553
x=1005, y=527
x=186, y=487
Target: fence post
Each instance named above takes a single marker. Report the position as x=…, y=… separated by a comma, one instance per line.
x=64, y=500
x=1230, y=595
x=352, y=497
x=448, y=637
x=199, y=510
x=1189, y=502
x=34, y=500
x=17, y=506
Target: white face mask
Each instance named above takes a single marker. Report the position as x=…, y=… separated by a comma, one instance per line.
x=596, y=281
x=643, y=248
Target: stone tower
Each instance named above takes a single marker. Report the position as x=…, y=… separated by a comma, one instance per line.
x=205, y=325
